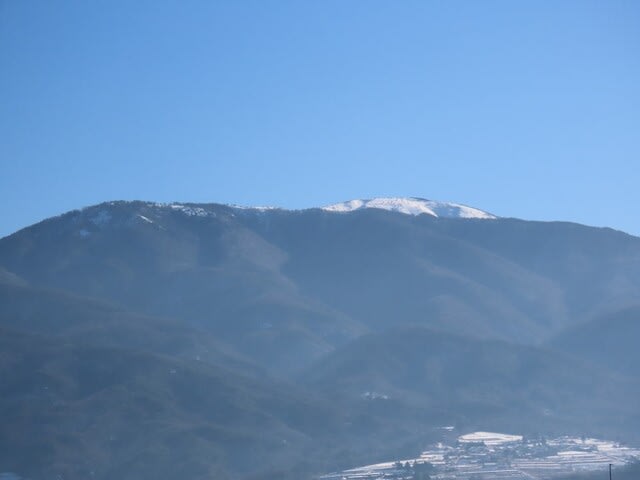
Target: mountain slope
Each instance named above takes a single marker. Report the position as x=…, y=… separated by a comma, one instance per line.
x=84, y=411
x=95, y=322
x=610, y=340
x=598, y=269
x=384, y=269
x=130, y=334
x=287, y=287
x=479, y=382
x=208, y=270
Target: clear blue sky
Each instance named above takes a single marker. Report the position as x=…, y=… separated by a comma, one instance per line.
x=525, y=109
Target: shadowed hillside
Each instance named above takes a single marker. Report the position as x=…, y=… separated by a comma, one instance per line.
x=479, y=383
x=611, y=340
x=84, y=411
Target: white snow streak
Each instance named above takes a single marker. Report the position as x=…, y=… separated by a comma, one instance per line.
x=412, y=206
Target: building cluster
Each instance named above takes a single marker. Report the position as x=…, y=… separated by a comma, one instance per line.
x=487, y=455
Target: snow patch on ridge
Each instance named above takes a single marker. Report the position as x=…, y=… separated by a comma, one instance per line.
x=189, y=210
x=257, y=208
x=412, y=206
x=103, y=215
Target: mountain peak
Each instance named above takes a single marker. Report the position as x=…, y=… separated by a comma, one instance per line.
x=412, y=206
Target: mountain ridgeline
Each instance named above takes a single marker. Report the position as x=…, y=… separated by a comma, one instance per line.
x=144, y=340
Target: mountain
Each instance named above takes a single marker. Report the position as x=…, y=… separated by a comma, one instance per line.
x=478, y=383
x=55, y=346
x=285, y=288
x=81, y=411
x=180, y=263
x=96, y=322
x=503, y=278
x=610, y=340
x=145, y=340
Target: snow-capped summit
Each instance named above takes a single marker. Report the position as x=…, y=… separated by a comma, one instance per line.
x=412, y=206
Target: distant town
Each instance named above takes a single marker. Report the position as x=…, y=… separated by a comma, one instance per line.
x=490, y=455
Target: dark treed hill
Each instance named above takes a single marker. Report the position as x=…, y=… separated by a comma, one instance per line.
x=612, y=340
x=385, y=269
x=480, y=383
x=549, y=274
x=96, y=322
x=597, y=267
x=82, y=411
x=82, y=342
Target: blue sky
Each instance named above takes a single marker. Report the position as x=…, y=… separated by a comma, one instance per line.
x=524, y=109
